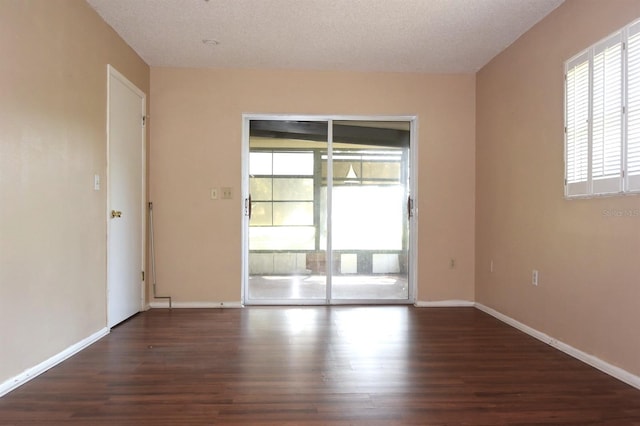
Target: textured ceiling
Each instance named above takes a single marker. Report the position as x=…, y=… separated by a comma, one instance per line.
x=433, y=36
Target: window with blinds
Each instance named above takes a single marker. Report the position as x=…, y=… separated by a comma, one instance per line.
x=602, y=117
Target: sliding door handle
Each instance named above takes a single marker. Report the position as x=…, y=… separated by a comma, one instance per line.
x=247, y=206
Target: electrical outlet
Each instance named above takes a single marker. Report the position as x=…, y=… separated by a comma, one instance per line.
x=534, y=277
x=452, y=263
x=226, y=193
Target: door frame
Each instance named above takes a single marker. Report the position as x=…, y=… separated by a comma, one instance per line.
x=112, y=72
x=413, y=188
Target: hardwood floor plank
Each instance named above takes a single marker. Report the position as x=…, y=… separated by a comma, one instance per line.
x=341, y=365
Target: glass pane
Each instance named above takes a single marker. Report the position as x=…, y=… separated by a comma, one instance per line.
x=358, y=210
x=292, y=214
x=293, y=163
x=286, y=263
x=343, y=170
x=260, y=163
x=261, y=189
x=282, y=238
x=381, y=170
x=294, y=189
x=369, y=226
x=261, y=214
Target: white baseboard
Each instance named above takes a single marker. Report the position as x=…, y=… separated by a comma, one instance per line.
x=605, y=367
x=195, y=305
x=22, y=378
x=444, y=304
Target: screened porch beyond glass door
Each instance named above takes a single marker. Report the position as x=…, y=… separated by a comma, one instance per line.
x=288, y=226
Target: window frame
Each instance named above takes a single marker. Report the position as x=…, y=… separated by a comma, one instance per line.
x=576, y=185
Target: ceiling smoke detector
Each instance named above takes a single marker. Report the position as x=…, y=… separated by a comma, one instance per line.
x=210, y=41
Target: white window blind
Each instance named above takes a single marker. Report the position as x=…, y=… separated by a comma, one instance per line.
x=577, y=121
x=606, y=155
x=633, y=109
x=602, y=116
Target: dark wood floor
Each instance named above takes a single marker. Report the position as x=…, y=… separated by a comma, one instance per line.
x=323, y=366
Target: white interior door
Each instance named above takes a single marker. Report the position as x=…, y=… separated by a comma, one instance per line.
x=125, y=213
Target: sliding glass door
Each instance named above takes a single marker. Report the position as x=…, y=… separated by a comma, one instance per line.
x=285, y=254
x=327, y=211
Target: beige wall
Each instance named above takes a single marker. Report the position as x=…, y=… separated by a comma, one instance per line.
x=196, y=124
x=589, y=289
x=53, y=74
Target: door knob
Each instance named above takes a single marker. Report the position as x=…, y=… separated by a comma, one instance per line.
x=115, y=213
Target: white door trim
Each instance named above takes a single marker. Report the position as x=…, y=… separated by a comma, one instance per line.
x=112, y=72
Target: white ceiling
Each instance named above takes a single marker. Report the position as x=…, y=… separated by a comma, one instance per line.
x=433, y=36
